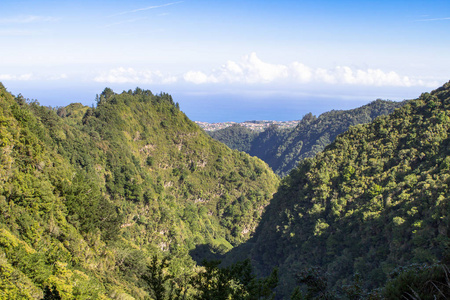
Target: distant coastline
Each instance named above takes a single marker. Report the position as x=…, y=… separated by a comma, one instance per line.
x=257, y=126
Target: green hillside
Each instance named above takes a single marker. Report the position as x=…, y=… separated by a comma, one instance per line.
x=236, y=137
x=374, y=200
x=115, y=201
x=89, y=195
x=283, y=149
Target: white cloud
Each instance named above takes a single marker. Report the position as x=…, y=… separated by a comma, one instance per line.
x=19, y=21
x=16, y=32
x=252, y=70
x=370, y=77
x=256, y=70
x=27, y=19
x=130, y=75
x=435, y=19
x=249, y=70
x=22, y=77
x=198, y=77
x=58, y=77
x=301, y=72
x=32, y=77
x=323, y=75
x=145, y=8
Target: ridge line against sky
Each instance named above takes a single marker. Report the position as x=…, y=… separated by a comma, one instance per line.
x=225, y=49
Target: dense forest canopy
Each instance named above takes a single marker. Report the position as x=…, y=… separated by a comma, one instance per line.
x=374, y=200
x=89, y=194
x=283, y=148
x=122, y=200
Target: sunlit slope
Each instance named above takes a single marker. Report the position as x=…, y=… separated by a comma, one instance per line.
x=88, y=194
x=375, y=199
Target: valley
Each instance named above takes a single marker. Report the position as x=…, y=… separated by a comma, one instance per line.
x=224, y=150
x=129, y=199
x=282, y=145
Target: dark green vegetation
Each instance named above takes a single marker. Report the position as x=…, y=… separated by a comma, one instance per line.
x=236, y=137
x=107, y=202
x=373, y=202
x=112, y=201
x=283, y=149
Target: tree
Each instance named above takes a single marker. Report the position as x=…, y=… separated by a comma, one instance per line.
x=51, y=293
x=234, y=282
x=157, y=278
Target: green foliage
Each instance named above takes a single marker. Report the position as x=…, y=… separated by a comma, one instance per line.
x=283, y=149
x=236, y=137
x=316, y=285
x=51, y=294
x=89, y=194
x=156, y=278
x=233, y=282
x=375, y=199
x=88, y=209
x=109, y=201
x=419, y=281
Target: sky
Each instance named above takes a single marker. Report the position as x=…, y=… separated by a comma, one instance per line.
x=227, y=60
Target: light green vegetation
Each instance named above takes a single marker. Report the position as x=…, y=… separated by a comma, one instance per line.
x=88, y=195
x=375, y=199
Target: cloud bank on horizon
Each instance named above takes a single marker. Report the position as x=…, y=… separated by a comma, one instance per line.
x=251, y=70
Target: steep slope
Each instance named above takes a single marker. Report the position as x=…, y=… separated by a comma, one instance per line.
x=156, y=153
x=282, y=149
x=88, y=195
x=38, y=243
x=235, y=136
x=375, y=199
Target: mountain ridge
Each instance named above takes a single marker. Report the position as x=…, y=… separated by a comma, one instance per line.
x=284, y=147
x=113, y=201
x=374, y=200
x=90, y=194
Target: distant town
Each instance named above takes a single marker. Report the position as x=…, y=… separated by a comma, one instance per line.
x=253, y=125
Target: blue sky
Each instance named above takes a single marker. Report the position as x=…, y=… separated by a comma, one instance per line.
x=227, y=60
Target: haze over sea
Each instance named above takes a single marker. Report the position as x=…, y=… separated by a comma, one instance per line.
x=214, y=107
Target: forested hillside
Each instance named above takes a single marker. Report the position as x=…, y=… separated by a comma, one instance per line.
x=283, y=149
x=236, y=137
x=93, y=198
x=374, y=200
x=111, y=201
